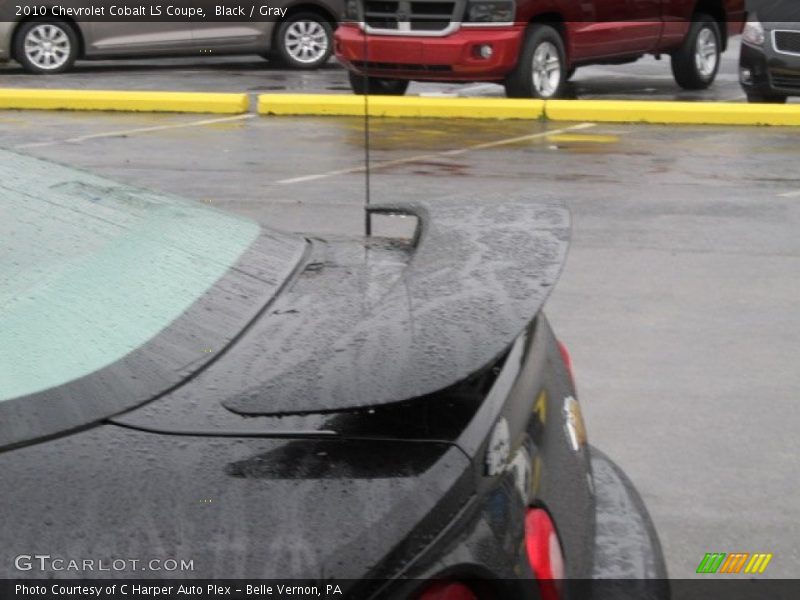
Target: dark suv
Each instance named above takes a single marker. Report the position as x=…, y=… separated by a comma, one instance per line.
x=769, y=62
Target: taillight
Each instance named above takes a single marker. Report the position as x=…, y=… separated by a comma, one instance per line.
x=567, y=360
x=544, y=553
x=447, y=590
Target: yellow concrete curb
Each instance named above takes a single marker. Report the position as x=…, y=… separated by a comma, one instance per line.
x=685, y=113
x=399, y=106
x=128, y=101
x=613, y=111
x=599, y=111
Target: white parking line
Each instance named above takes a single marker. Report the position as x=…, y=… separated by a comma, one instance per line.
x=792, y=194
x=124, y=132
x=419, y=157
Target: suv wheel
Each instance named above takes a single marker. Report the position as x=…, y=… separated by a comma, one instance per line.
x=541, y=71
x=46, y=46
x=304, y=41
x=361, y=85
x=696, y=64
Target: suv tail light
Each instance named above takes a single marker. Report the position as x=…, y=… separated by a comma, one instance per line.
x=544, y=553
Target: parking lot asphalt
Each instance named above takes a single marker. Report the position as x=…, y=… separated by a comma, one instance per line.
x=647, y=79
x=678, y=302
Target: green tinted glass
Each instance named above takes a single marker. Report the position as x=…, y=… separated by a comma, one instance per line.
x=91, y=270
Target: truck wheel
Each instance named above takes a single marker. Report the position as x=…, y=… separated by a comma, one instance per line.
x=304, y=41
x=695, y=65
x=362, y=85
x=541, y=70
x=49, y=46
x=766, y=98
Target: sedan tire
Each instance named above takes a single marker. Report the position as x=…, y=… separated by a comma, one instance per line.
x=46, y=46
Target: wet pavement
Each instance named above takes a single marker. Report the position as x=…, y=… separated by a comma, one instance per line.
x=647, y=79
x=679, y=299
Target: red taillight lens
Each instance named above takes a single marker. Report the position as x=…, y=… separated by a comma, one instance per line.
x=447, y=590
x=567, y=360
x=544, y=553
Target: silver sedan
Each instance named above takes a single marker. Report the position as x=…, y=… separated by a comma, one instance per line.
x=49, y=40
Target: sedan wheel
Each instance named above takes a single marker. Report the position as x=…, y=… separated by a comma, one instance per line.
x=305, y=41
x=46, y=46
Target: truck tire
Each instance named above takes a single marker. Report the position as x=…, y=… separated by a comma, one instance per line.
x=541, y=71
x=696, y=64
x=376, y=86
x=304, y=41
x=46, y=46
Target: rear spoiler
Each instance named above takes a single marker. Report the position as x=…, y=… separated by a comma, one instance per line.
x=480, y=272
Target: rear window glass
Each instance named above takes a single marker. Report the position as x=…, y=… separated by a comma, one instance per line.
x=91, y=270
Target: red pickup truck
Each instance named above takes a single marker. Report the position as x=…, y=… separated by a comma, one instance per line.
x=530, y=46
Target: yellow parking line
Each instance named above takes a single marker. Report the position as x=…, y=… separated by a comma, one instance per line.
x=128, y=101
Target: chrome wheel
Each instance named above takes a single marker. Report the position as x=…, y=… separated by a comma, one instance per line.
x=47, y=46
x=306, y=41
x=706, y=53
x=546, y=69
